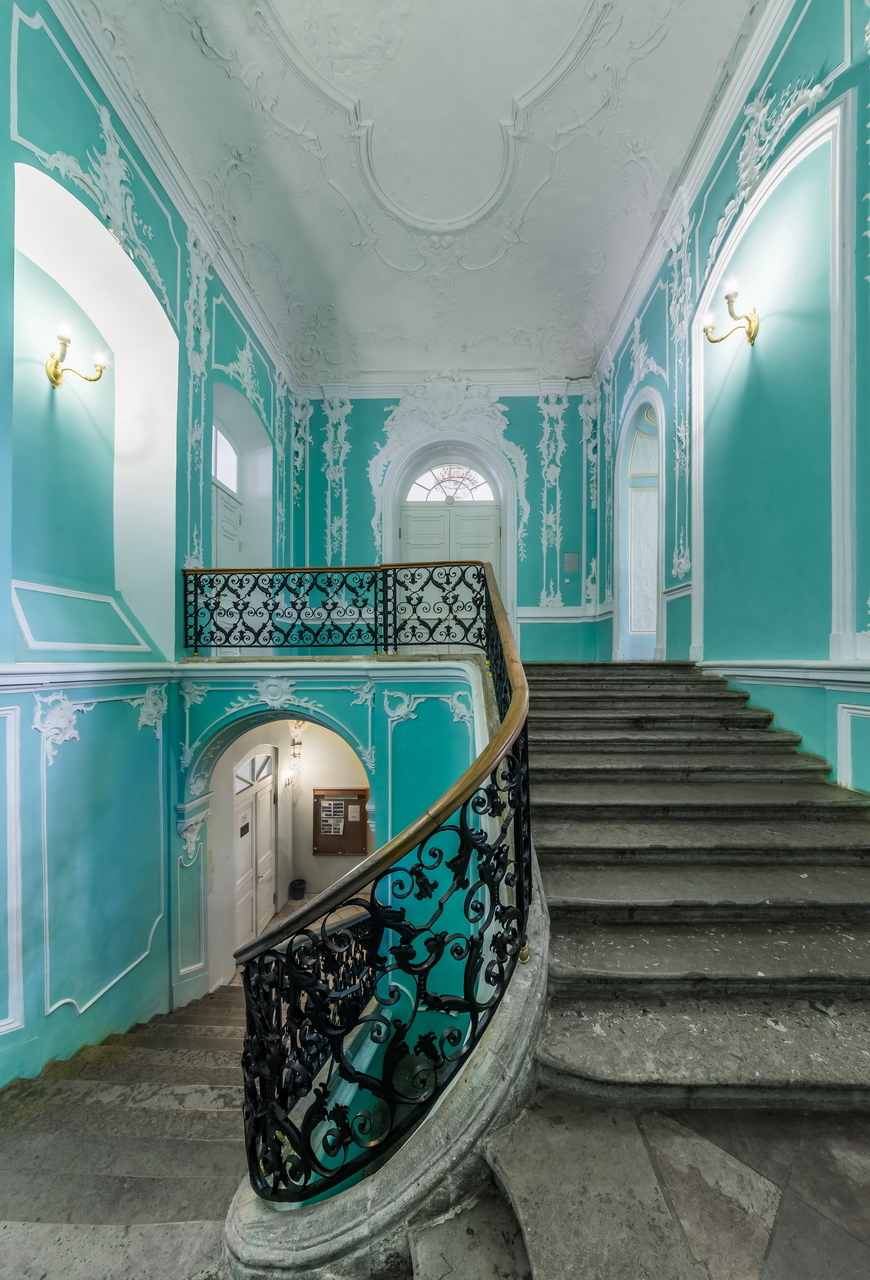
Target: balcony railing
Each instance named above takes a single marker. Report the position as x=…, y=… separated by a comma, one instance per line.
x=363, y=1006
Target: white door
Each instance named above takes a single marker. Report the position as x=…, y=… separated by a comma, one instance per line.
x=254, y=844
x=451, y=531
x=226, y=529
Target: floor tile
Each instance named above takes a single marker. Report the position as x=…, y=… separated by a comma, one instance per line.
x=808, y=1246
x=726, y=1209
x=765, y=1140
x=832, y=1169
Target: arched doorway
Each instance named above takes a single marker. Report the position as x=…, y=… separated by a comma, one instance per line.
x=450, y=512
x=267, y=792
x=638, y=579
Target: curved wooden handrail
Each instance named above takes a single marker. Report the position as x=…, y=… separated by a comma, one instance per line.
x=475, y=776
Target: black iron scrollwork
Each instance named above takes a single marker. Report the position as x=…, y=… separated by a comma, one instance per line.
x=358, y=1022
x=354, y=1030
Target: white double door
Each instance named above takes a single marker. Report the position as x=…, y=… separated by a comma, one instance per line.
x=451, y=531
x=254, y=837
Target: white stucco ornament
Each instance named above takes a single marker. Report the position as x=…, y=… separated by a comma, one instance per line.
x=54, y=718
x=447, y=409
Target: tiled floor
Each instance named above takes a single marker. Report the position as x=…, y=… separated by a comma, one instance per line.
x=764, y=1195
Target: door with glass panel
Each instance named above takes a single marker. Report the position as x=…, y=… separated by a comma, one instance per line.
x=639, y=543
x=254, y=812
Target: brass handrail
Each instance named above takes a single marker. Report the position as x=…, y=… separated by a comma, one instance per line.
x=475, y=776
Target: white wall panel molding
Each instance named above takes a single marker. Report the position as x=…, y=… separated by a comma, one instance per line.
x=806, y=674
x=36, y=642
x=172, y=176
x=830, y=127
x=11, y=716
x=55, y=719
x=846, y=713
x=700, y=164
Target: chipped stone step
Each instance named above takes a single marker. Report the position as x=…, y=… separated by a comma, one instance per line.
x=742, y=841
x=639, y=801
x=117, y=1157
x=227, y=1039
x=126, y=1071
x=582, y=767
x=481, y=1241
x=611, y=670
x=581, y=1184
x=217, y=1018
x=98, y=1199
x=135, y=1096
x=627, y=721
x=690, y=960
x=42, y=1251
x=629, y=689
x=203, y=1056
x=687, y=895
x=684, y=1052
x=177, y=1125
x=651, y=741
x=637, y=702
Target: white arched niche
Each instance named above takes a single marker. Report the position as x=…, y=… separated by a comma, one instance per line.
x=72, y=245
x=626, y=647
x=237, y=418
x=483, y=457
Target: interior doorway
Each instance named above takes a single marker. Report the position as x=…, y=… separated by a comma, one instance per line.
x=639, y=553
x=241, y=484
x=256, y=798
x=450, y=513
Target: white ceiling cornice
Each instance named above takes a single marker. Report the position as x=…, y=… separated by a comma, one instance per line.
x=159, y=155
x=699, y=163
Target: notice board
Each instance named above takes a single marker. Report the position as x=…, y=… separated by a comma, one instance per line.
x=340, y=823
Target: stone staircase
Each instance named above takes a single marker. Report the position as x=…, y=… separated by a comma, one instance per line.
x=709, y=895
x=121, y=1162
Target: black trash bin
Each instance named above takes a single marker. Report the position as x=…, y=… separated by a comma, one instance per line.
x=297, y=890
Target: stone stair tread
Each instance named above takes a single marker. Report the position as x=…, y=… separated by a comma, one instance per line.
x=101, y=1199
x=129, y=1072
x=218, y=1018
x=803, y=837
x=479, y=1242
x=134, y=1096
x=584, y=1192
x=742, y=952
x=177, y=1125
x=118, y=1157
x=98, y=1054
x=179, y=1038
x=650, y=885
x=611, y=717
x=48, y=1251
x=604, y=761
x=711, y=739
x=743, y=795
x=755, y=1043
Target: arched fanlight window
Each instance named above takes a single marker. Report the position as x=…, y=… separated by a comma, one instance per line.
x=257, y=769
x=452, y=480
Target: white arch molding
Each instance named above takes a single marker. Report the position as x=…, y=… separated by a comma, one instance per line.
x=646, y=396
x=495, y=468
x=57, y=232
x=834, y=126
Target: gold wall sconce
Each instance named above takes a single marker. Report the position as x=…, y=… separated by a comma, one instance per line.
x=55, y=367
x=747, y=324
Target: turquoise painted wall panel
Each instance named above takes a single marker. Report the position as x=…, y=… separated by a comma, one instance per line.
x=6, y=961
x=861, y=752
x=798, y=709
x=103, y=854
x=679, y=628
x=767, y=426
x=559, y=641
x=427, y=754
x=64, y=444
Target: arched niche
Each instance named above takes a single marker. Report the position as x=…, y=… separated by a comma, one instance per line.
x=639, y=473
x=69, y=243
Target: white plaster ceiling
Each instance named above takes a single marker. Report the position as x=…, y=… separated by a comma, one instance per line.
x=461, y=187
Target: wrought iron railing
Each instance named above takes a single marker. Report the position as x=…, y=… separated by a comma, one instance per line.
x=363, y=1006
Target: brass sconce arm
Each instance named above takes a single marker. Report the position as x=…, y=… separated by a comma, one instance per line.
x=746, y=324
x=55, y=367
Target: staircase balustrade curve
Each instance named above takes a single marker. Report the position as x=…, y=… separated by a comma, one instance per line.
x=363, y=1006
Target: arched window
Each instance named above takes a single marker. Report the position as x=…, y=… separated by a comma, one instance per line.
x=453, y=480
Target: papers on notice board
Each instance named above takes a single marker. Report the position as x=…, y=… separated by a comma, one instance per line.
x=332, y=817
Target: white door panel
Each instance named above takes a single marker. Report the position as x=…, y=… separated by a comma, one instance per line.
x=265, y=856
x=246, y=922
x=474, y=532
x=226, y=529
